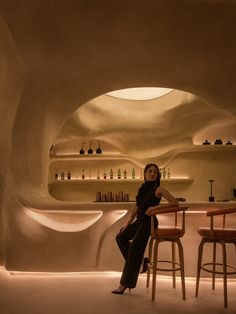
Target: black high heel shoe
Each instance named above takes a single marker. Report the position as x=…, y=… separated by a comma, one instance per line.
x=146, y=261
x=120, y=291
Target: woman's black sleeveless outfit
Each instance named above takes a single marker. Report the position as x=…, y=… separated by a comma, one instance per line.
x=138, y=232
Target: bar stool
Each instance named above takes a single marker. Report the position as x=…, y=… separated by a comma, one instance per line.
x=215, y=236
x=170, y=234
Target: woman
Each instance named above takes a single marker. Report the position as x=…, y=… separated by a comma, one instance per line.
x=147, y=204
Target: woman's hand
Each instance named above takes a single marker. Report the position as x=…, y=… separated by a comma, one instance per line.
x=150, y=210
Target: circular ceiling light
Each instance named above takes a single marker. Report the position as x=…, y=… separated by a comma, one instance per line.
x=140, y=93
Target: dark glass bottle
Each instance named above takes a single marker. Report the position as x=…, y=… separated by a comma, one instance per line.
x=119, y=174
x=99, y=150
x=56, y=175
x=111, y=174
x=104, y=174
x=82, y=149
x=90, y=151
x=68, y=175
x=83, y=174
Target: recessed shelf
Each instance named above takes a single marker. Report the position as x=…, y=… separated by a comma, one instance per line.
x=214, y=147
x=88, y=181
x=98, y=157
x=166, y=158
x=177, y=180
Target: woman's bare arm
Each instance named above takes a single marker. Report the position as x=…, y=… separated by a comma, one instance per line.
x=132, y=215
x=172, y=202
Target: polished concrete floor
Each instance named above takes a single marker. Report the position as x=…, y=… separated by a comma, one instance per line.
x=73, y=293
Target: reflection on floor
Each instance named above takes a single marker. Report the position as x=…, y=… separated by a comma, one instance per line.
x=91, y=293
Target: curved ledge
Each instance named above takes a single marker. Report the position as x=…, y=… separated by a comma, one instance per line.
x=65, y=221
x=120, y=213
x=114, y=156
x=173, y=153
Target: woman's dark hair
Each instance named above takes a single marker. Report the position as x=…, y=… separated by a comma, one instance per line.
x=158, y=173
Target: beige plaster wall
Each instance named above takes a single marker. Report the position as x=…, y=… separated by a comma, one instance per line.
x=56, y=57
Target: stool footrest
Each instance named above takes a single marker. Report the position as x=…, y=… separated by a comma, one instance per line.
x=218, y=272
x=167, y=269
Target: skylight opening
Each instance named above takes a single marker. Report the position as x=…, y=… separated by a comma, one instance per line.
x=140, y=93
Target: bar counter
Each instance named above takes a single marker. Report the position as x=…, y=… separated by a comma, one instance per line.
x=72, y=236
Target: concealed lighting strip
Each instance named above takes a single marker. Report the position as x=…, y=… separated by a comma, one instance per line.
x=109, y=274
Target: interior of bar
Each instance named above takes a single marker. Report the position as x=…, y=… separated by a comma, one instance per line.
x=91, y=93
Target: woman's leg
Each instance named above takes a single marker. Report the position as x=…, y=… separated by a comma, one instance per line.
x=123, y=238
x=135, y=255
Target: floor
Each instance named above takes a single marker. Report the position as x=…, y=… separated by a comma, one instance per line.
x=73, y=293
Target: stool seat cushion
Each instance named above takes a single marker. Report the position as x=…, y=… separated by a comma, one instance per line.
x=168, y=233
x=217, y=233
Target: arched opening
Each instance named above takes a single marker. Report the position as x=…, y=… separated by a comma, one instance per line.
x=130, y=133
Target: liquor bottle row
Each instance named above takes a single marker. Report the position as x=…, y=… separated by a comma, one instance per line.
x=164, y=174
x=103, y=175
x=112, y=197
x=218, y=141
x=90, y=149
x=87, y=174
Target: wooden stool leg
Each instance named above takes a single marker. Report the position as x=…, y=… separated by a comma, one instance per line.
x=181, y=261
x=173, y=264
x=200, y=250
x=154, y=269
x=214, y=266
x=150, y=248
x=224, y=273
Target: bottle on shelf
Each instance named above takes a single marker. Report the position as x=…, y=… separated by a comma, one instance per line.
x=109, y=196
x=141, y=174
x=160, y=171
x=83, y=174
x=168, y=173
x=62, y=175
x=111, y=174
x=119, y=174
x=125, y=174
x=133, y=173
x=90, y=176
x=98, y=175
x=104, y=174
x=82, y=149
x=98, y=196
x=164, y=173
x=99, y=150
x=56, y=175
x=68, y=175
x=90, y=151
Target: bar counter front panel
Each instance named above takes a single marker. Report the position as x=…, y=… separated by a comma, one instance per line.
x=81, y=237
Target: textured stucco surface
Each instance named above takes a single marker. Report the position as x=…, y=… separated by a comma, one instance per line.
x=56, y=60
